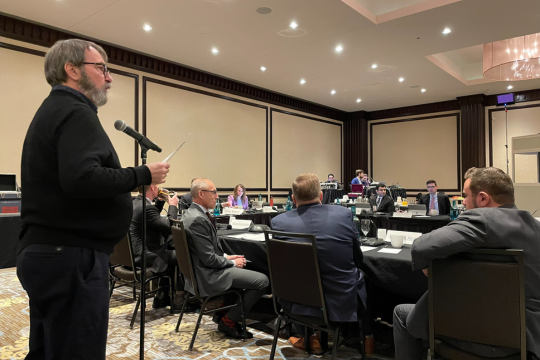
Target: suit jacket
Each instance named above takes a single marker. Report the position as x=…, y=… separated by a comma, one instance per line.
x=443, y=201
x=504, y=227
x=158, y=231
x=386, y=205
x=209, y=263
x=339, y=257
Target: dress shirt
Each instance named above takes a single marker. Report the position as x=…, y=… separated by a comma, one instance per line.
x=436, y=204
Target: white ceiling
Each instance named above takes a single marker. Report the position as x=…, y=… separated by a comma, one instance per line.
x=184, y=31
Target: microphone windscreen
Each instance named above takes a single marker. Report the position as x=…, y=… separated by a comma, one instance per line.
x=120, y=125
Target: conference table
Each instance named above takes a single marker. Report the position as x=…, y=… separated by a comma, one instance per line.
x=329, y=195
x=257, y=217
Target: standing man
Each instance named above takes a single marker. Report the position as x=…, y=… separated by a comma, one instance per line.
x=358, y=179
x=216, y=271
x=435, y=202
x=382, y=202
x=77, y=207
x=491, y=221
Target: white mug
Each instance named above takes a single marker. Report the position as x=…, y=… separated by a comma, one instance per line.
x=396, y=240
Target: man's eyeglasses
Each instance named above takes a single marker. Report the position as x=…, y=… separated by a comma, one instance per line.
x=105, y=69
x=211, y=191
x=430, y=187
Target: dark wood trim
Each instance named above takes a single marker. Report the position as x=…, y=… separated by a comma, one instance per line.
x=490, y=124
x=415, y=110
x=43, y=35
x=207, y=93
x=112, y=70
x=309, y=118
x=457, y=115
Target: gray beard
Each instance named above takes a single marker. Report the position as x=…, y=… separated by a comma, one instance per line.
x=98, y=96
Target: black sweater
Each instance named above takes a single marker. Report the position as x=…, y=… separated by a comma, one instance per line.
x=75, y=192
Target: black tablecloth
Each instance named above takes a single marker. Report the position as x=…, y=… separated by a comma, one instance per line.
x=252, y=250
x=257, y=218
x=329, y=195
x=423, y=225
x=10, y=227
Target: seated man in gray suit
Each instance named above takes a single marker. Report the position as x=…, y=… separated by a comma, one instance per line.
x=491, y=221
x=339, y=253
x=216, y=271
x=381, y=201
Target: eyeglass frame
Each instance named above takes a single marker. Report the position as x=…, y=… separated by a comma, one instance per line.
x=215, y=192
x=431, y=187
x=105, y=68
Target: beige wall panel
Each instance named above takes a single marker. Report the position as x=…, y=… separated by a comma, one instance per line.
x=23, y=89
x=521, y=122
x=412, y=152
x=227, y=142
x=301, y=145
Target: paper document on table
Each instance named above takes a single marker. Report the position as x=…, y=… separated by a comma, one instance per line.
x=237, y=236
x=255, y=236
x=174, y=152
x=408, y=236
x=241, y=224
x=367, y=248
x=390, y=251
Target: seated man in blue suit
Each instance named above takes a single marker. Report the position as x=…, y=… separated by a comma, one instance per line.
x=359, y=176
x=339, y=253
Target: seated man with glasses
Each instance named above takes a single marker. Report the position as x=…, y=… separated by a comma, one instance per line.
x=214, y=270
x=436, y=203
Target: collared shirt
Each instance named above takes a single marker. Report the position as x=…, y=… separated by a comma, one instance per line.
x=205, y=210
x=79, y=94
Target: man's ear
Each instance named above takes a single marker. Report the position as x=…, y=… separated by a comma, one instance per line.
x=293, y=199
x=482, y=199
x=321, y=196
x=72, y=72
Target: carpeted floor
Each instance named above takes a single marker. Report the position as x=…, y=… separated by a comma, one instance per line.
x=161, y=341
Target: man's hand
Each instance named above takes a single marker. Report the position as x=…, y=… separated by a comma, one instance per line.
x=159, y=172
x=238, y=259
x=173, y=200
x=225, y=204
x=425, y=272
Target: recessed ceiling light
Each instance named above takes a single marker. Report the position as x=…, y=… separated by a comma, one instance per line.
x=339, y=48
x=147, y=27
x=333, y=92
x=401, y=79
x=374, y=66
x=264, y=10
x=293, y=25
x=510, y=87
x=302, y=82
x=446, y=31
x=215, y=51
x=423, y=90
x=263, y=68
x=358, y=100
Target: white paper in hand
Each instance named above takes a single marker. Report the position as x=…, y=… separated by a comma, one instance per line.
x=175, y=151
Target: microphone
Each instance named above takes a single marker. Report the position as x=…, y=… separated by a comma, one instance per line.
x=121, y=125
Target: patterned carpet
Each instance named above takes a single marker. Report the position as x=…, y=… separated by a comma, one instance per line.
x=161, y=341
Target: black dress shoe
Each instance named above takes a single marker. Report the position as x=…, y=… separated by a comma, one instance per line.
x=217, y=316
x=235, y=332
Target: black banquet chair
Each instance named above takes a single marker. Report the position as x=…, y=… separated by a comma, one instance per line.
x=478, y=296
x=286, y=258
x=186, y=269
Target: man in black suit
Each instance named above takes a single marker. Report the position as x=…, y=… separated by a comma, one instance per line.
x=434, y=200
x=381, y=201
x=331, y=179
x=160, y=256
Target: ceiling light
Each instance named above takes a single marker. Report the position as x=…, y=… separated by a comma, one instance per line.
x=263, y=68
x=333, y=92
x=293, y=25
x=501, y=62
x=339, y=48
x=374, y=66
x=423, y=90
x=302, y=82
x=215, y=51
x=510, y=87
x=147, y=27
x=446, y=31
x=401, y=79
x=358, y=100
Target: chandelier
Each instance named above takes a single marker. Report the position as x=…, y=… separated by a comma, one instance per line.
x=513, y=59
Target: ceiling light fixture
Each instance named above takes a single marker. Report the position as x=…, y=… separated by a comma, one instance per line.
x=423, y=90
x=446, y=31
x=339, y=48
x=374, y=66
x=147, y=27
x=293, y=25
x=302, y=82
x=510, y=87
x=521, y=64
x=215, y=51
x=358, y=100
x=333, y=92
x=401, y=79
x=263, y=68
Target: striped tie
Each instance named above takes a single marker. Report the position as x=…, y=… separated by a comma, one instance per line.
x=432, y=203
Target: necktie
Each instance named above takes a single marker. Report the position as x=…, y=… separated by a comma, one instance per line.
x=379, y=201
x=212, y=220
x=432, y=203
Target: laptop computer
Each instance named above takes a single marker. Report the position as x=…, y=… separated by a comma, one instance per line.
x=417, y=209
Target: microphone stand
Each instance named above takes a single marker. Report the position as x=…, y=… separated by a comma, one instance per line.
x=142, y=297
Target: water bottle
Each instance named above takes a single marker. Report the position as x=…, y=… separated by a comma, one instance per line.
x=217, y=208
x=288, y=204
x=260, y=197
x=338, y=202
x=353, y=209
x=271, y=201
x=454, y=211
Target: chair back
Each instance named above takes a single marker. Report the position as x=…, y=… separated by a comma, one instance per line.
x=286, y=258
x=183, y=255
x=479, y=296
x=123, y=255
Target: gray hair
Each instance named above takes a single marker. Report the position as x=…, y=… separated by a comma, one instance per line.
x=67, y=51
x=198, y=184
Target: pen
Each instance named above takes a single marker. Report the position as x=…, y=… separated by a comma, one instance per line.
x=248, y=260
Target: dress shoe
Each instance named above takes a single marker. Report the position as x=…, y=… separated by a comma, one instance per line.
x=369, y=343
x=217, y=316
x=314, y=342
x=232, y=329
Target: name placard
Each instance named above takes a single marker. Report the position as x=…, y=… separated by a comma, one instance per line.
x=402, y=215
x=232, y=211
x=268, y=209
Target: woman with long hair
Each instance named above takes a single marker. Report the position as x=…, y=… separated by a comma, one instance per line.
x=239, y=198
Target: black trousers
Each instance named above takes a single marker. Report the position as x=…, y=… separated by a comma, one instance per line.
x=69, y=301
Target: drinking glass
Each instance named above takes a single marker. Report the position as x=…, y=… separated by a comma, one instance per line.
x=365, y=228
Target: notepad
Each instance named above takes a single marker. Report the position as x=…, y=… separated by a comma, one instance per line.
x=390, y=251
